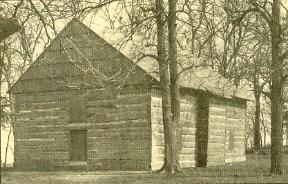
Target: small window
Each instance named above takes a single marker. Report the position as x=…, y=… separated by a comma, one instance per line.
x=231, y=140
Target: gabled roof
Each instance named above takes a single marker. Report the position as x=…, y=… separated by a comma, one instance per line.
x=200, y=79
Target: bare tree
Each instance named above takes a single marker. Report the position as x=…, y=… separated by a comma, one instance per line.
x=37, y=20
x=7, y=28
x=174, y=87
x=271, y=13
x=17, y=57
x=164, y=83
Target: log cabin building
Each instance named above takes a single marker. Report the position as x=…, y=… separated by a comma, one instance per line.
x=84, y=104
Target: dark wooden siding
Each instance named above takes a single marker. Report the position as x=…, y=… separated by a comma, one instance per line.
x=118, y=128
x=87, y=60
x=47, y=96
x=40, y=134
x=78, y=145
x=119, y=134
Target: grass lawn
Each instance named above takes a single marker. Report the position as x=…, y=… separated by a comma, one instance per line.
x=254, y=170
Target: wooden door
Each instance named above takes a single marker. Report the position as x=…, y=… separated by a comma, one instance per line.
x=78, y=151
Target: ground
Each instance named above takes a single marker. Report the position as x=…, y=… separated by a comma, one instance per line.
x=254, y=170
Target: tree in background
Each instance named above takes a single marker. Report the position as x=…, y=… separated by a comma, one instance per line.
x=7, y=28
x=271, y=14
x=36, y=23
x=212, y=37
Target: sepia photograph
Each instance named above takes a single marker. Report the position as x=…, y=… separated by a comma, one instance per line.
x=143, y=91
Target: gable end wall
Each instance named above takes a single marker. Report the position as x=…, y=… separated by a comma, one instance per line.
x=118, y=129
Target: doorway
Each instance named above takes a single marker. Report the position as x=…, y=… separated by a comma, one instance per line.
x=78, y=145
x=202, y=125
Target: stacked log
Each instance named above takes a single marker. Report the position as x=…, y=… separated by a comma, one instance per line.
x=188, y=123
x=118, y=128
x=235, y=127
x=226, y=127
x=119, y=135
x=216, y=135
x=40, y=135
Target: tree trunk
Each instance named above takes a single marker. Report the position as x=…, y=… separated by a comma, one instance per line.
x=264, y=129
x=1, y=70
x=256, y=125
x=12, y=120
x=174, y=88
x=257, y=96
x=264, y=136
x=7, y=146
x=276, y=92
x=164, y=84
x=286, y=133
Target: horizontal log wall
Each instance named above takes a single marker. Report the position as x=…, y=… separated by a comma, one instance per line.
x=216, y=134
x=117, y=124
x=119, y=133
x=187, y=121
x=225, y=116
x=236, y=124
x=58, y=68
x=40, y=133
